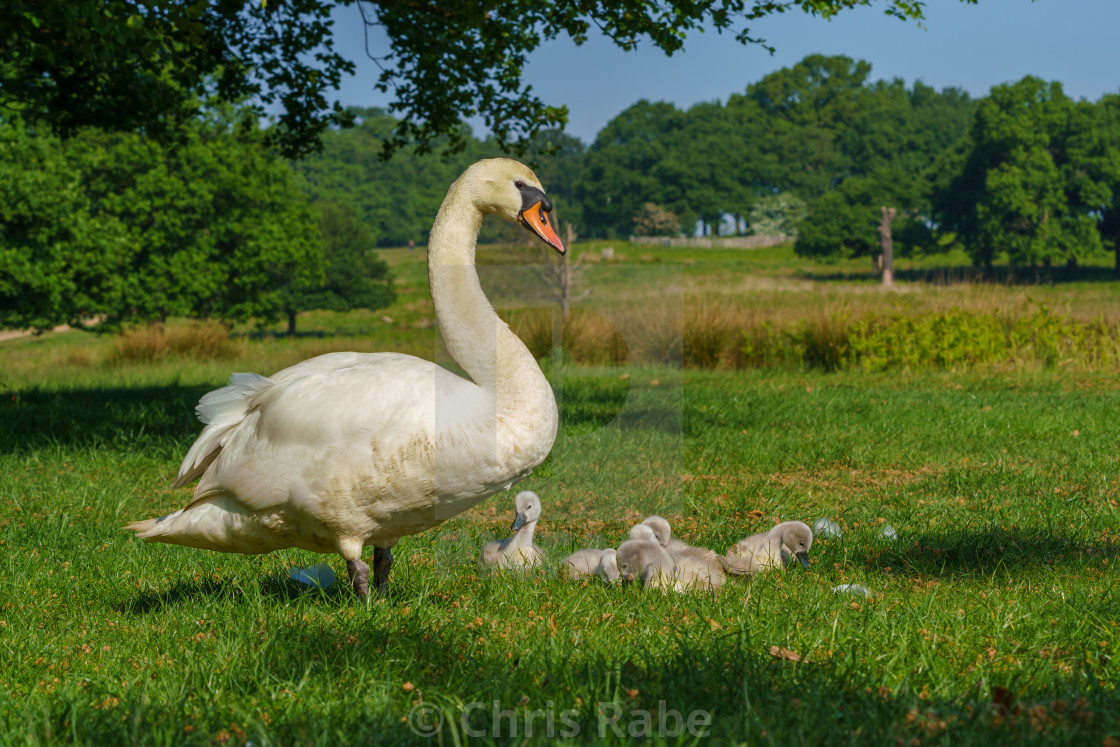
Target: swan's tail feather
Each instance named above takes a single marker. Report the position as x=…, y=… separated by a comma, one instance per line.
x=214, y=524
x=221, y=410
x=148, y=527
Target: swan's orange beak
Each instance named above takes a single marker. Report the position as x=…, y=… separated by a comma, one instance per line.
x=536, y=220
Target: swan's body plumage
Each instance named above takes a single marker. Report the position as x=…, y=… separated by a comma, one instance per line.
x=582, y=563
x=697, y=567
x=780, y=546
x=608, y=565
x=349, y=450
x=648, y=562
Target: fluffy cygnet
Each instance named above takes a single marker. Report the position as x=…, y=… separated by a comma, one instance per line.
x=788, y=540
x=582, y=563
x=649, y=563
x=608, y=565
x=517, y=551
x=664, y=534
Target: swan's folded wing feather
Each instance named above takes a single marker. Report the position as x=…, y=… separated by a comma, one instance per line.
x=222, y=410
x=369, y=409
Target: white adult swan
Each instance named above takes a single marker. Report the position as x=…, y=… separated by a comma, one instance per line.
x=348, y=450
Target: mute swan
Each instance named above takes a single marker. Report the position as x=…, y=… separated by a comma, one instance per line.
x=348, y=450
x=768, y=549
x=697, y=567
x=648, y=562
x=664, y=533
x=517, y=551
x=643, y=533
x=582, y=563
x=608, y=565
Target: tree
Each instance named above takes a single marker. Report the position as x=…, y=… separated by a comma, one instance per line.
x=654, y=220
x=1097, y=151
x=707, y=167
x=58, y=256
x=213, y=227
x=142, y=64
x=856, y=219
x=620, y=175
x=397, y=200
x=150, y=65
x=354, y=276
x=1022, y=181
x=778, y=215
x=805, y=110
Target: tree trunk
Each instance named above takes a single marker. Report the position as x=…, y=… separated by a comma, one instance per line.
x=292, y=323
x=566, y=272
x=886, y=244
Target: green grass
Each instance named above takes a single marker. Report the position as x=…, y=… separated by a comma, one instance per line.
x=992, y=620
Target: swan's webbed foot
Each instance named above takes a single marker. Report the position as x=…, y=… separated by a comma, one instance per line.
x=359, y=577
x=382, y=562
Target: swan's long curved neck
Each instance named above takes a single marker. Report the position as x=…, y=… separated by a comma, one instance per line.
x=479, y=341
x=468, y=322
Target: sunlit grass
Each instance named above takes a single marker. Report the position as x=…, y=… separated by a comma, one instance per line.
x=992, y=618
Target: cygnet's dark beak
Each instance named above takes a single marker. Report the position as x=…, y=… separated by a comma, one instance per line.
x=804, y=558
x=518, y=522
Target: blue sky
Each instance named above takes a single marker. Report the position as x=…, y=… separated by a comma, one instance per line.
x=973, y=47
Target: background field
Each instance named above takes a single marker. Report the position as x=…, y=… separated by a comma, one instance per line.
x=992, y=618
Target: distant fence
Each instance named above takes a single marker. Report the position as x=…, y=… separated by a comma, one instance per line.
x=713, y=242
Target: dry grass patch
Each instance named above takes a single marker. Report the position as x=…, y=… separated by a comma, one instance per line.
x=154, y=342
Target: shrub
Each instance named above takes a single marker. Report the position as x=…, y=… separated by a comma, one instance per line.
x=198, y=341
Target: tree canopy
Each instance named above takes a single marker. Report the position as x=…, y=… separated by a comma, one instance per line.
x=1031, y=177
x=146, y=65
x=118, y=227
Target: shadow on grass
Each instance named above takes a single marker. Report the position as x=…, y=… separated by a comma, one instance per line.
x=341, y=683
x=122, y=417
x=999, y=275
x=980, y=552
x=727, y=682
x=274, y=587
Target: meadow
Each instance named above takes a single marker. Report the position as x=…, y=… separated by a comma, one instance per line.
x=991, y=619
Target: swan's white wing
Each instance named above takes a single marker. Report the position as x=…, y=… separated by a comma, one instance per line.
x=338, y=421
x=223, y=409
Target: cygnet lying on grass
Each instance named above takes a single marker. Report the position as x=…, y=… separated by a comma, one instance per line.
x=790, y=539
x=582, y=563
x=517, y=551
x=649, y=563
x=608, y=565
x=664, y=533
x=643, y=533
x=697, y=567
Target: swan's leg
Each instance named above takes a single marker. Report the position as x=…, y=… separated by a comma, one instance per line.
x=359, y=577
x=382, y=562
x=351, y=552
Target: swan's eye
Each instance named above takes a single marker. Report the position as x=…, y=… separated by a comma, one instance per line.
x=519, y=184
